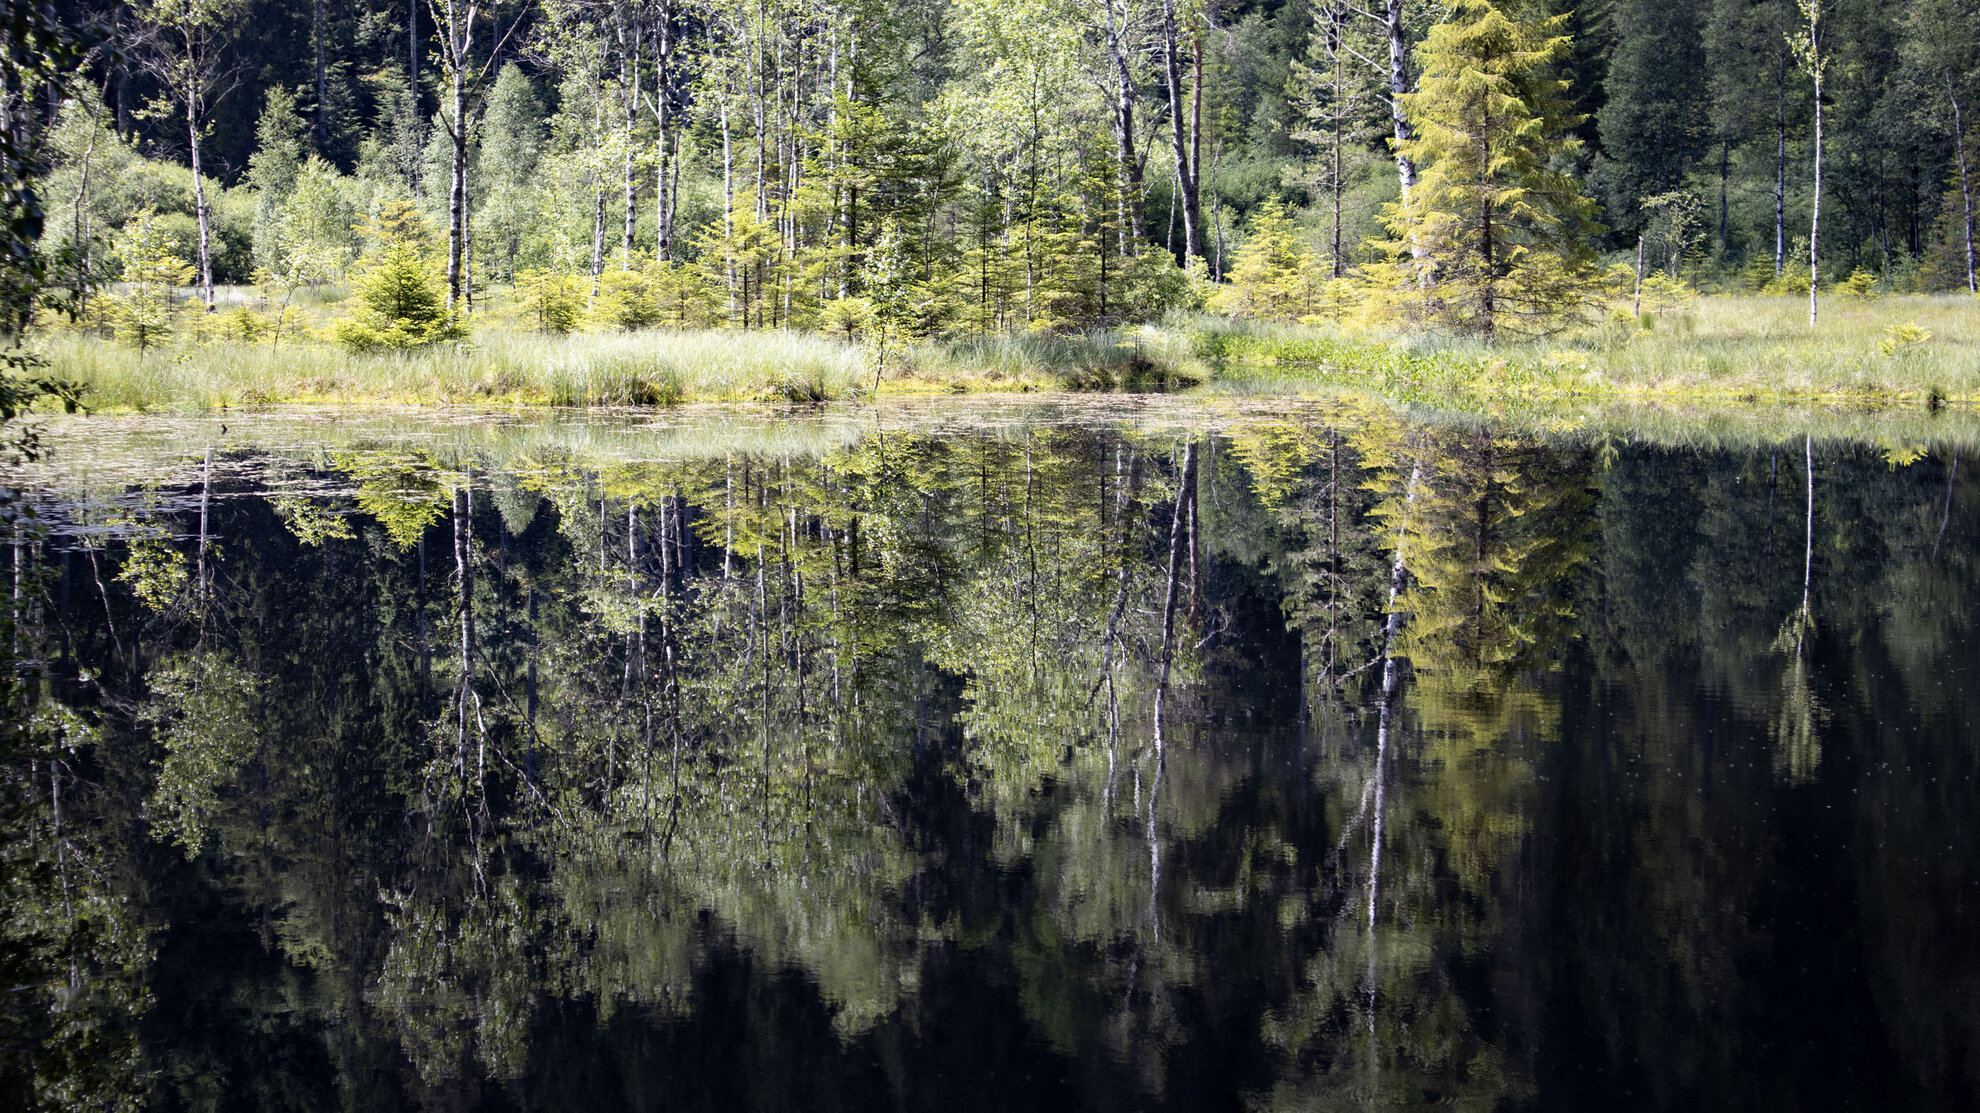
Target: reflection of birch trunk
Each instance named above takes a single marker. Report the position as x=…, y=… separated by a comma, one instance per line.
x=1798, y=749
x=1123, y=484
x=1952, y=476
x=18, y=585
x=419, y=613
x=1178, y=534
x=467, y=701
x=205, y=504
x=1808, y=549
x=1384, y=719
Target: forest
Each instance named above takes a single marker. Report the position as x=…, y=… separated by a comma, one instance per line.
x=1480, y=693
x=944, y=169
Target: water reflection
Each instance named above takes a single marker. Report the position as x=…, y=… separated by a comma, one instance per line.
x=1309, y=762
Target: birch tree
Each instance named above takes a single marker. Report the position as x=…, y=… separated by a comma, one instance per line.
x=466, y=78
x=1811, y=54
x=184, y=40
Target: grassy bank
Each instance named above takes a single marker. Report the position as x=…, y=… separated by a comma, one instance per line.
x=656, y=367
x=1721, y=350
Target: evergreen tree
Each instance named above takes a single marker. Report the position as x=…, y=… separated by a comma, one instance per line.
x=1274, y=275
x=148, y=311
x=1494, y=238
x=1335, y=94
x=272, y=172
x=398, y=306
x=1655, y=120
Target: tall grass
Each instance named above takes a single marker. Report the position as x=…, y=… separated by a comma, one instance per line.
x=1727, y=349
x=1718, y=350
x=647, y=368
x=1103, y=359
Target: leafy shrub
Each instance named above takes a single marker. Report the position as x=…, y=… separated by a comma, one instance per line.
x=627, y=300
x=551, y=302
x=399, y=307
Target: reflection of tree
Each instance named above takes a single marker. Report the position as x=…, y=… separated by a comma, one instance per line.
x=850, y=721
x=1486, y=535
x=1797, y=747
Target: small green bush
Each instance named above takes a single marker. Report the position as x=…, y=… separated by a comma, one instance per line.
x=627, y=300
x=552, y=303
x=399, y=307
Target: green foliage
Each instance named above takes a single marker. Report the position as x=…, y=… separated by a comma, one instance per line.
x=627, y=300
x=272, y=173
x=399, y=307
x=1274, y=275
x=204, y=711
x=1655, y=118
x=1861, y=285
x=1901, y=338
x=1495, y=236
x=149, y=311
x=550, y=302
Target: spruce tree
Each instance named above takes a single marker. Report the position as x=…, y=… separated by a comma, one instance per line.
x=1656, y=117
x=277, y=161
x=1274, y=276
x=1494, y=238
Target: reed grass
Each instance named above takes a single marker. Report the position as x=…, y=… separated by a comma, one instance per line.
x=497, y=367
x=1720, y=350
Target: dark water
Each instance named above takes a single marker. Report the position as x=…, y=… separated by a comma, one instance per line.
x=1068, y=764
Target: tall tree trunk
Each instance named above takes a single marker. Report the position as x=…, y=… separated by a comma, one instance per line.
x=1725, y=174
x=1129, y=172
x=79, y=229
x=1815, y=210
x=729, y=208
x=1337, y=47
x=457, y=185
x=1182, y=137
x=1965, y=188
x=1487, y=236
x=201, y=212
x=1780, y=153
x=663, y=108
x=597, y=175
x=322, y=82
x=1398, y=37
x=629, y=46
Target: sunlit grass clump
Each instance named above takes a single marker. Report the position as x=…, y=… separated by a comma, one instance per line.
x=1719, y=350
x=495, y=367
x=1729, y=349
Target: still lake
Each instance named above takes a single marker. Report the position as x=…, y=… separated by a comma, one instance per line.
x=1074, y=754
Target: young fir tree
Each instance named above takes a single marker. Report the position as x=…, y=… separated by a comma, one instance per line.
x=1335, y=94
x=1494, y=238
x=147, y=311
x=399, y=307
x=273, y=170
x=1274, y=276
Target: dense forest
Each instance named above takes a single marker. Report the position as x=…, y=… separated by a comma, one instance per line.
x=960, y=166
